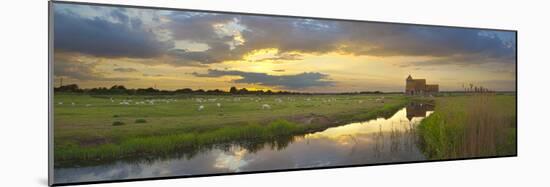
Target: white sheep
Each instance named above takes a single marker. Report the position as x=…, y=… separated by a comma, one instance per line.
x=73, y=103
x=219, y=105
x=201, y=107
x=266, y=106
x=60, y=103
x=88, y=105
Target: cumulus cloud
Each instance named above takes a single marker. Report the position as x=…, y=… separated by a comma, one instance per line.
x=297, y=81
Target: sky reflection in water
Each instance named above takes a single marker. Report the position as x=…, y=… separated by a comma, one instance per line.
x=374, y=141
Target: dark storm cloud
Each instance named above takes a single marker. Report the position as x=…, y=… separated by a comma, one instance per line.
x=127, y=36
x=322, y=36
x=100, y=37
x=285, y=34
x=410, y=40
x=196, y=26
x=288, y=35
x=125, y=70
x=298, y=81
x=200, y=28
x=119, y=15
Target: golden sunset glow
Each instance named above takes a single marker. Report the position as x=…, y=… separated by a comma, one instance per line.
x=173, y=50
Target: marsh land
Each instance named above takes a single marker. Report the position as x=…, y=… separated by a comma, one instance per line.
x=203, y=134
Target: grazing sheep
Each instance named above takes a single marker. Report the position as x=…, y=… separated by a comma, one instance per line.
x=201, y=107
x=112, y=100
x=219, y=105
x=266, y=106
x=72, y=103
x=88, y=105
x=60, y=103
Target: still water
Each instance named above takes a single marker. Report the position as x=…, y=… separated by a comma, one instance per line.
x=369, y=142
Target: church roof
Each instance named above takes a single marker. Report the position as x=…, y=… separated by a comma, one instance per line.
x=409, y=78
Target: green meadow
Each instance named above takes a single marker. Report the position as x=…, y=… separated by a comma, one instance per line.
x=92, y=129
x=103, y=128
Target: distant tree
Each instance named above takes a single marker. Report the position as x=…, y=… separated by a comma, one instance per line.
x=99, y=90
x=233, y=90
x=184, y=90
x=68, y=88
x=147, y=91
x=243, y=91
x=215, y=91
x=117, y=89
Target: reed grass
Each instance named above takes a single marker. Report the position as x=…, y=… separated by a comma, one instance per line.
x=476, y=125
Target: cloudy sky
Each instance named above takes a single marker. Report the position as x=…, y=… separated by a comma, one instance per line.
x=103, y=46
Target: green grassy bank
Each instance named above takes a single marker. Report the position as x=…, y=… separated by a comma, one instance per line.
x=100, y=129
x=478, y=125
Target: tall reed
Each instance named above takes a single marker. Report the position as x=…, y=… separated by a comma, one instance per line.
x=475, y=125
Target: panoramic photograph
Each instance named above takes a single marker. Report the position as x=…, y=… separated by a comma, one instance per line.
x=147, y=93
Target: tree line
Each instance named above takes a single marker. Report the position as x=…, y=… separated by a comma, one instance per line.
x=120, y=89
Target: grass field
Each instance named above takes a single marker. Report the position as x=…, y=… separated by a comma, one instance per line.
x=477, y=125
x=101, y=128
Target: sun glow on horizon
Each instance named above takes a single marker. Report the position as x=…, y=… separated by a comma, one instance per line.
x=173, y=49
